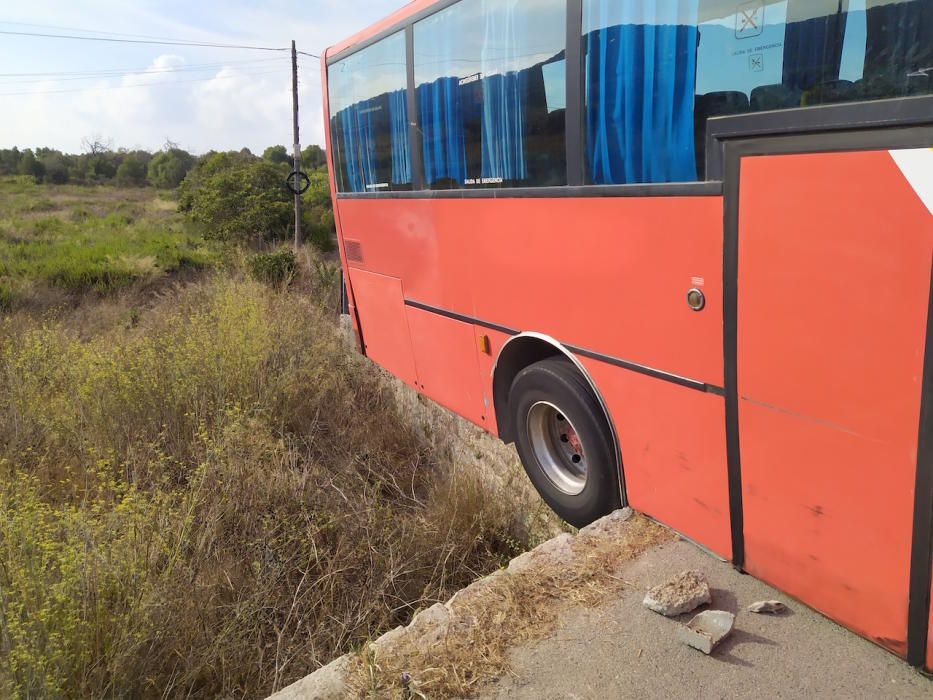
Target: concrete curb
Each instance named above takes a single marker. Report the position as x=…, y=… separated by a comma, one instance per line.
x=431, y=626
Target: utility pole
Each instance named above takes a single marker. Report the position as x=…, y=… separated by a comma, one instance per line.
x=297, y=151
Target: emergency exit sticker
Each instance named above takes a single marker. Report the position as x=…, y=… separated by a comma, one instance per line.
x=750, y=19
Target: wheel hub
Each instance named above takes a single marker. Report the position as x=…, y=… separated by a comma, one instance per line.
x=558, y=448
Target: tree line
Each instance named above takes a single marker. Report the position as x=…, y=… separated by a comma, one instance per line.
x=101, y=164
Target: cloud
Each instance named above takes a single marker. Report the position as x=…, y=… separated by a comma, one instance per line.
x=243, y=99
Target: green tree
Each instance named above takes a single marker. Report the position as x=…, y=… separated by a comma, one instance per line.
x=313, y=157
x=30, y=165
x=132, y=171
x=277, y=154
x=238, y=199
x=169, y=167
x=56, y=168
x=9, y=161
x=317, y=211
x=100, y=161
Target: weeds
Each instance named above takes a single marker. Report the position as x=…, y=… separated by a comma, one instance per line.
x=277, y=268
x=215, y=500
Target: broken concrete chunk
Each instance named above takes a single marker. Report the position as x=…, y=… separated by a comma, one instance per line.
x=682, y=594
x=707, y=630
x=608, y=525
x=770, y=607
x=558, y=548
x=429, y=626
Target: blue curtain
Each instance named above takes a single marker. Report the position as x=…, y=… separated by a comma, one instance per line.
x=442, y=131
x=812, y=47
x=641, y=84
x=503, y=130
x=358, y=142
x=398, y=131
x=900, y=40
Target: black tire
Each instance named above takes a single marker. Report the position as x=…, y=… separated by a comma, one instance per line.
x=556, y=385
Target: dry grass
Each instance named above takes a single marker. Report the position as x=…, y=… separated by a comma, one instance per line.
x=510, y=610
x=217, y=498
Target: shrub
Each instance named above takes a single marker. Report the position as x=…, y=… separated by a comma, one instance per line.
x=132, y=171
x=56, y=169
x=32, y=166
x=215, y=502
x=277, y=268
x=239, y=199
x=168, y=168
x=318, y=212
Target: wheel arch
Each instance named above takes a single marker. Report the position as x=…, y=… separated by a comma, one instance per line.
x=523, y=350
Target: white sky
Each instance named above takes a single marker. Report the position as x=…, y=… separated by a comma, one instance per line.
x=242, y=99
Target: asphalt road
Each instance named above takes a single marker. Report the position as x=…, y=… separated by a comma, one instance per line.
x=623, y=650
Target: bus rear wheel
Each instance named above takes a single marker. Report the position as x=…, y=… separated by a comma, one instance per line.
x=564, y=441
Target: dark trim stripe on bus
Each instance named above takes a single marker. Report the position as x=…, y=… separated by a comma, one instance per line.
x=573, y=116
x=850, y=116
x=921, y=551
x=921, y=561
x=576, y=350
x=667, y=189
x=414, y=114
x=461, y=317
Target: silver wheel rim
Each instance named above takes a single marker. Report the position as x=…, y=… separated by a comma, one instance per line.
x=557, y=447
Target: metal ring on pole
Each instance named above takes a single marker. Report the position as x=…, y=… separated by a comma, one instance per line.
x=298, y=182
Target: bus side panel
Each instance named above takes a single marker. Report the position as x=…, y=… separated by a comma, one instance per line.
x=385, y=327
x=445, y=357
x=673, y=448
x=609, y=275
x=401, y=238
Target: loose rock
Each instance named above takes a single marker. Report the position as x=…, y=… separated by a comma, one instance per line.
x=707, y=630
x=769, y=607
x=682, y=594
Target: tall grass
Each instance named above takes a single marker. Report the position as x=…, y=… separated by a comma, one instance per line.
x=214, y=501
x=84, y=239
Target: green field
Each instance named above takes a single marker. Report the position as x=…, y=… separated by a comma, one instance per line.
x=70, y=240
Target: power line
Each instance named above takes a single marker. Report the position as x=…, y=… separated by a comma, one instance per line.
x=121, y=71
x=312, y=55
x=138, y=85
x=92, y=31
x=100, y=75
x=145, y=41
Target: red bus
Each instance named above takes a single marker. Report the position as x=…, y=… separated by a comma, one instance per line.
x=679, y=252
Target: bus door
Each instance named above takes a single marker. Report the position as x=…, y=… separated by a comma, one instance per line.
x=830, y=240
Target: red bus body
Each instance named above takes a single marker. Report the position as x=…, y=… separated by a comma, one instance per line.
x=777, y=427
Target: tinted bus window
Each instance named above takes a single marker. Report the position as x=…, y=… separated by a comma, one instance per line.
x=491, y=82
x=656, y=70
x=369, y=126
x=639, y=91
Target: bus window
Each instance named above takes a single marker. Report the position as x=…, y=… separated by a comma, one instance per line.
x=656, y=71
x=766, y=54
x=369, y=127
x=491, y=92
x=639, y=90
